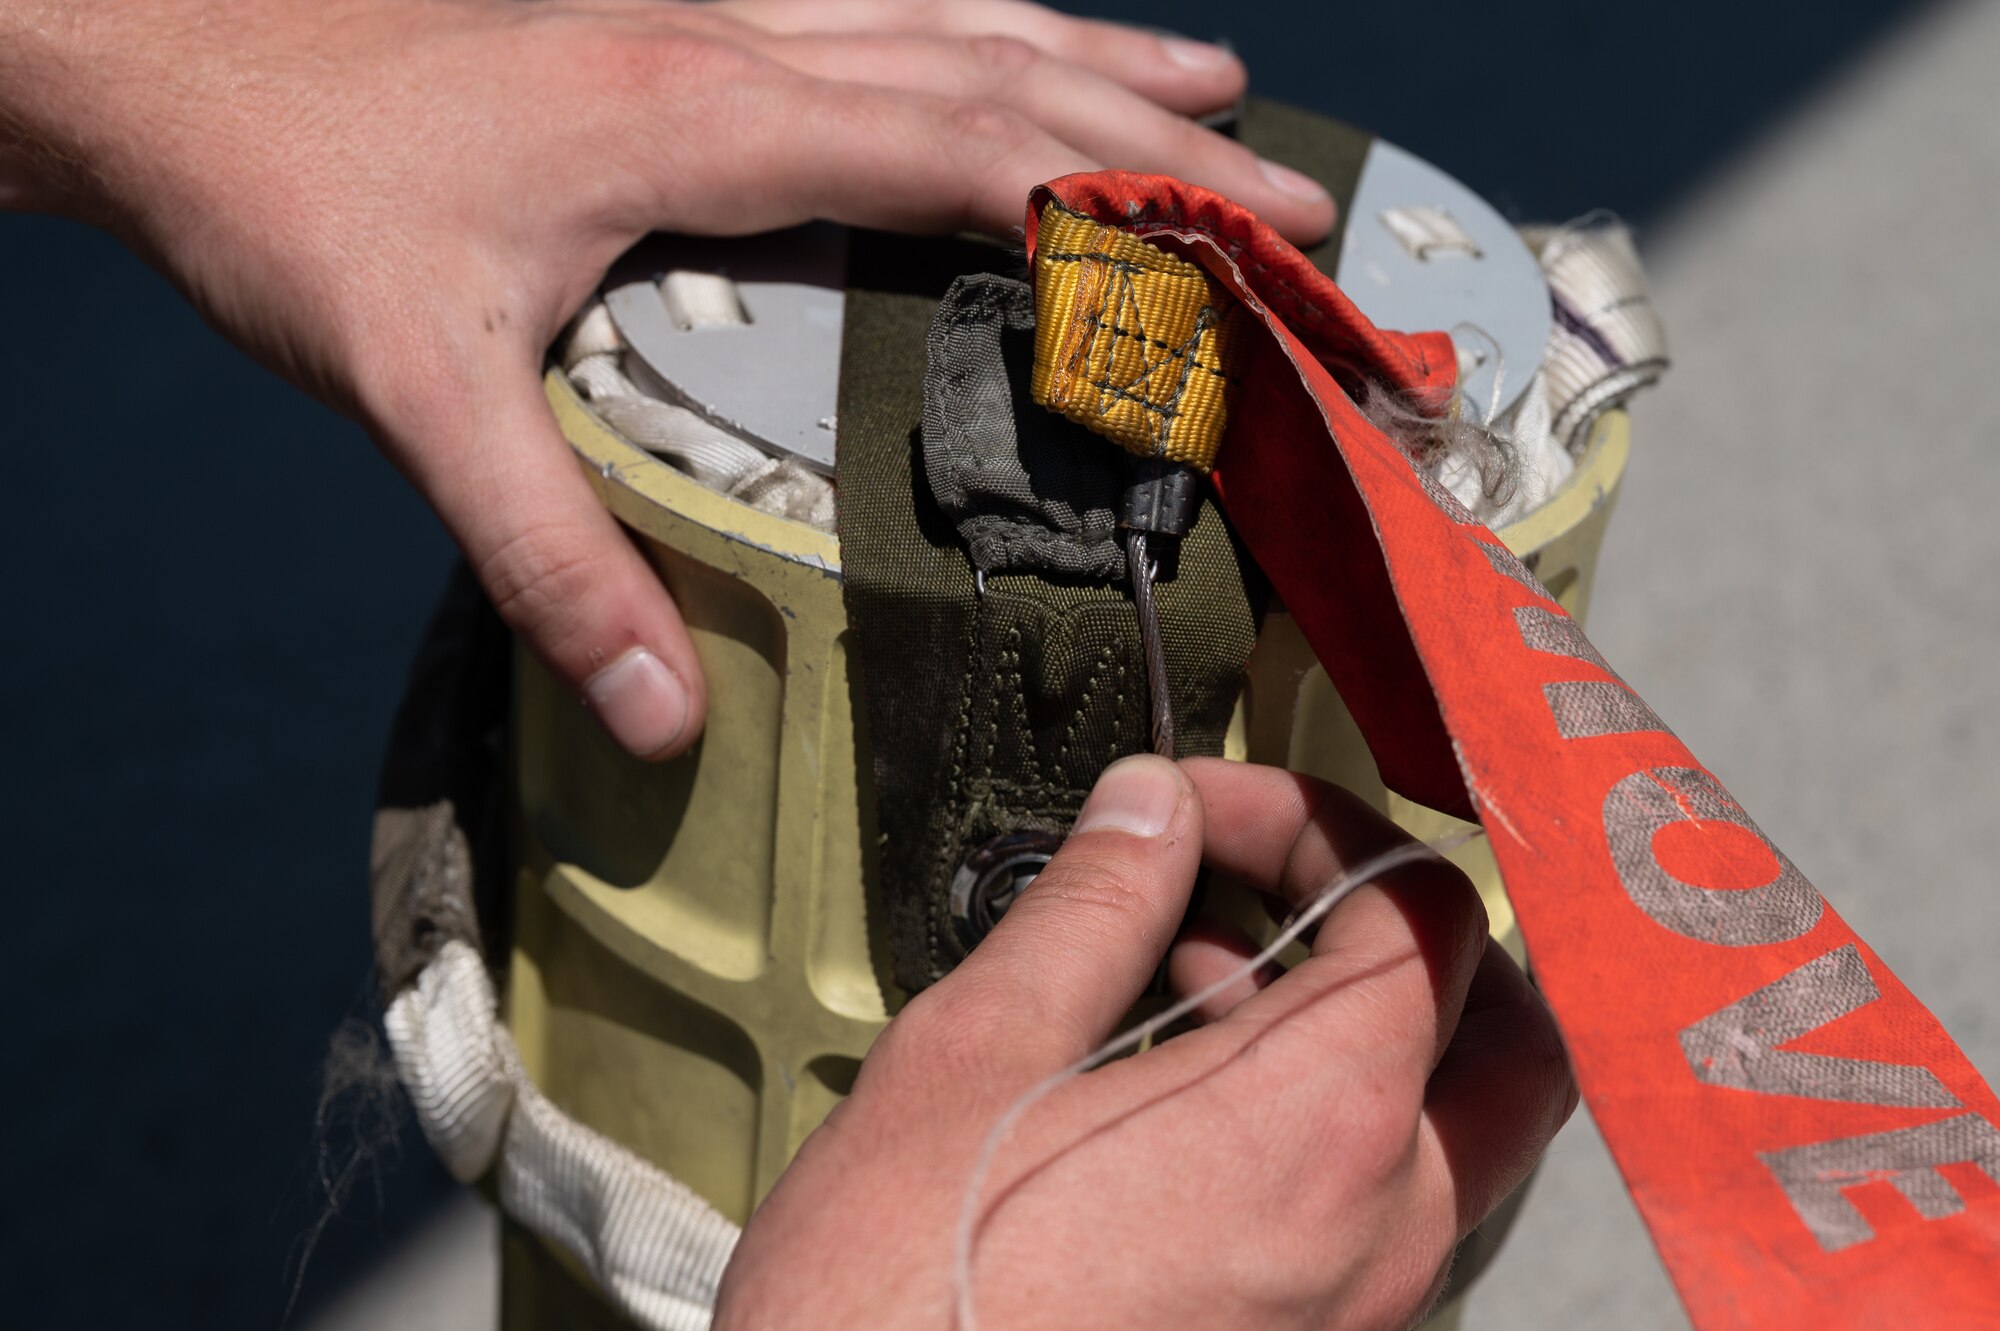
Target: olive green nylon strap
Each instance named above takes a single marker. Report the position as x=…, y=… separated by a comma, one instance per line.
x=992, y=712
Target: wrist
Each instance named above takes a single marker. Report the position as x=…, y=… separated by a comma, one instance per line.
x=81, y=86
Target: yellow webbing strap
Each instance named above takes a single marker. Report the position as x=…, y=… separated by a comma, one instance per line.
x=1130, y=340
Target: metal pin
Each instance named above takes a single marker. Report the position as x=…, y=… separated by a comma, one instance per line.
x=1144, y=569
x=1160, y=501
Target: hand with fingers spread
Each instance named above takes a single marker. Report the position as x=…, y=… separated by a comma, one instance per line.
x=1307, y=1157
x=398, y=203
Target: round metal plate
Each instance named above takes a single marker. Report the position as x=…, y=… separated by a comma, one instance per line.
x=1494, y=303
x=774, y=380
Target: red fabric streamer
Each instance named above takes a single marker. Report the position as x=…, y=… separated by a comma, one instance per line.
x=1806, y=1144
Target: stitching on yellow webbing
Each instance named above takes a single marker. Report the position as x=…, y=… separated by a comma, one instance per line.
x=1130, y=341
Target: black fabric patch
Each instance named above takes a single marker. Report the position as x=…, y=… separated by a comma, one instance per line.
x=1029, y=491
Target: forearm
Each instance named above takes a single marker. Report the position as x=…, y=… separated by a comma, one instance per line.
x=37, y=166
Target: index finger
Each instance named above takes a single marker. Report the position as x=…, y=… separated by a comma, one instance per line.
x=1190, y=77
x=1402, y=952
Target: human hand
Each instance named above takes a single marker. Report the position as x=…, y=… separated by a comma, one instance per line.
x=1308, y=1157
x=397, y=204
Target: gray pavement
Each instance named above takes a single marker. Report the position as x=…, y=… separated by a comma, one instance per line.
x=447, y=1278
x=1800, y=580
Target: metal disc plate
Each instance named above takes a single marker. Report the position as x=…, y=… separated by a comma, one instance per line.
x=775, y=379
x=1494, y=303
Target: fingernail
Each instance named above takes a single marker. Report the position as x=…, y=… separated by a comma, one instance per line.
x=1287, y=181
x=1137, y=795
x=641, y=702
x=1195, y=55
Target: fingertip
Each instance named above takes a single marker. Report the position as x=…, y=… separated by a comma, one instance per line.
x=1206, y=76
x=643, y=704
x=569, y=580
x=619, y=639
x=1305, y=211
x=1140, y=795
x=1211, y=59
x=1079, y=945
x=584, y=598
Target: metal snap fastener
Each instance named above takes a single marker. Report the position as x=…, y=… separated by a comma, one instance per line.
x=992, y=876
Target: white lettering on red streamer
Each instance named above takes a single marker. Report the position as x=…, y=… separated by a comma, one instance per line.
x=1738, y=1047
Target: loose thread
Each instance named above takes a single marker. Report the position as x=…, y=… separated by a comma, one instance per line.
x=1460, y=432
x=1143, y=570
x=1330, y=896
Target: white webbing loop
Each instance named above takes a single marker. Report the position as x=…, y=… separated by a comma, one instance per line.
x=450, y=1058
x=1423, y=231
x=1608, y=341
x=654, y=1248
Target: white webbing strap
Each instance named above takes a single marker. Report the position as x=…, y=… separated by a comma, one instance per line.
x=594, y=359
x=1608, y=341
x=654, y=1248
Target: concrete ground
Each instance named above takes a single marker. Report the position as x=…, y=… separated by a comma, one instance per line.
x=1801, y=579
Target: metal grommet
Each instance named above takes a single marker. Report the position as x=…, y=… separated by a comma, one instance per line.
x=992, y=876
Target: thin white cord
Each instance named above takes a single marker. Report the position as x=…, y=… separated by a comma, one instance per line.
x=1330, y=896
x=1466, y=330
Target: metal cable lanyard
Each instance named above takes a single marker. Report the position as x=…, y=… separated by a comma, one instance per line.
x=1685, y=970
x=1156, y=510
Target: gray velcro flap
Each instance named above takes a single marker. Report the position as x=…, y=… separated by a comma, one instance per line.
x=1030, y=492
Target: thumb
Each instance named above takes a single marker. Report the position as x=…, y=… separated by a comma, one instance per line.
x=1074, y=953
x=557, y=566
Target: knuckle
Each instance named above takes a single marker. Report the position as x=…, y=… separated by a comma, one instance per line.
x=1093, y=880
x=1460, y=911
x=1404, y=1286
x=1323, y=804
x=1003, y=59
x=922, y=15
x=1374, y=1164
x=986, y=133
x=1377, y=1128
x=633, y=67
x=688, y=60
x=942, y=1045
x=1384, y=1127
x=540, y=581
